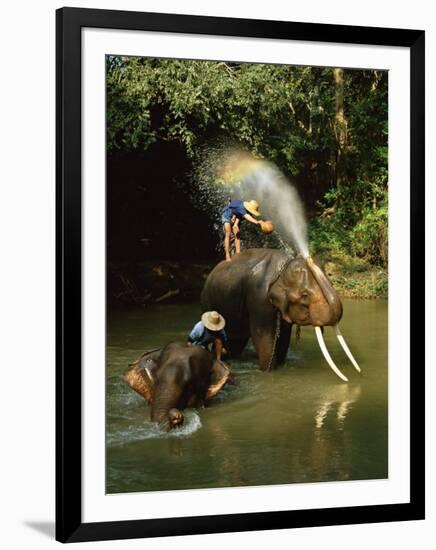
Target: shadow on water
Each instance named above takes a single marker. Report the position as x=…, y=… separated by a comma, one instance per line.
x=298, y=424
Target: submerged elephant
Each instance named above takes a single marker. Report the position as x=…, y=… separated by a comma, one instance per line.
x=262, y=292
x=174, y=378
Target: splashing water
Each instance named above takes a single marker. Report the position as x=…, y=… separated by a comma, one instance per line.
x=224, y=174
x=133, y=431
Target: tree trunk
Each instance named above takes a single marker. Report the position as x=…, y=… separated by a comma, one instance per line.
x=340, y=127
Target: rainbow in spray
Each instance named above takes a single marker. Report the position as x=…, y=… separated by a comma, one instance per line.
x=236, y=166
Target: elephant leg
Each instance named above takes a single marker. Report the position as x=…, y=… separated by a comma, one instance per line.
x=237, y=345
x=196, y=401
x=263, y=341
x=192, y=402
x=283, y=343
x=199, y=403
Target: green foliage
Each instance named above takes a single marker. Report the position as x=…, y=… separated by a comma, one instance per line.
x=328, y=238
x=369, y=238
x=275, y=111
x=286, y=114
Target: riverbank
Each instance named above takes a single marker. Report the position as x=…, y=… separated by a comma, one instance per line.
x=156, y=281
x=354, y=278
x=164, y=281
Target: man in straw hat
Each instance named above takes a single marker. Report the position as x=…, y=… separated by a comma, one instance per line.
x=231, y=215
x=209, y=331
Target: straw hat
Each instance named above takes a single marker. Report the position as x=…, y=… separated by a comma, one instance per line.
x=213, y=320
x=252, y=207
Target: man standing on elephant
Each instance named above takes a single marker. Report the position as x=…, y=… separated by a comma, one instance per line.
x=210, y=330
x=231, y=216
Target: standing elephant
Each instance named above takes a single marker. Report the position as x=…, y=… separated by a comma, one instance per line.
x=174, y=378
x=262, y=292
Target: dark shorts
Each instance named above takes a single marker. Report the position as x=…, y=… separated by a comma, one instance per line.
x=226, y=215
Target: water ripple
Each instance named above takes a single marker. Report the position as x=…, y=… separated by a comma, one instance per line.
x=150, y=430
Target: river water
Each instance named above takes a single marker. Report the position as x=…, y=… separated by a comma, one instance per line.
x=298, y=424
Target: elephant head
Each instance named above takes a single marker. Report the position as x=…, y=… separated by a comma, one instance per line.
x=163, y=398
x=175, y=378
x=164, y=405
x=303, y=295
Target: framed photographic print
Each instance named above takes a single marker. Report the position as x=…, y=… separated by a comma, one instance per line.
x=240, y=230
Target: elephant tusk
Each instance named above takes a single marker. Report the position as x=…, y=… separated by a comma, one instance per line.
x=327, y=355
x=346, y=348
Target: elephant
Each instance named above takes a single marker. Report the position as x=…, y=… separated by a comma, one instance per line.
x=263, y=292
x=174, y=378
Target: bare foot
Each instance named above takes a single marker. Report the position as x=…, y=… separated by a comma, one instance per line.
x=229, y=259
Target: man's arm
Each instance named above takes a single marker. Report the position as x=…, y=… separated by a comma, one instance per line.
x=218, y=348
x=250, y=218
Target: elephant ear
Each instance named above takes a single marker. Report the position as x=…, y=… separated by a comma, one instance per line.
x=220, y=375
x=139, y=375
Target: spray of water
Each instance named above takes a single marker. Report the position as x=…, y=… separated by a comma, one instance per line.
x=135, y=431
x=280, y=203
x=225, y=173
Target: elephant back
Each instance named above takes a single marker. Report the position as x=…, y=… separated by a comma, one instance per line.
x=249, y=275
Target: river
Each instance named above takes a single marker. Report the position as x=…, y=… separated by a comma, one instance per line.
x=298, y=424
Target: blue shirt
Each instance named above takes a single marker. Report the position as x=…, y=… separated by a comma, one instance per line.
x=202, y=336
x=235, y=208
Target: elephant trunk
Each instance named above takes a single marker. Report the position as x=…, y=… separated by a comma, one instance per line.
x=164, y=409
x=330, y=294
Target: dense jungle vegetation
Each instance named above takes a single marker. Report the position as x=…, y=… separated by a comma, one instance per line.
x=325, y=128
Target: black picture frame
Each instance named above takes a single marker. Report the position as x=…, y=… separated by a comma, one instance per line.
x=69, y=525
